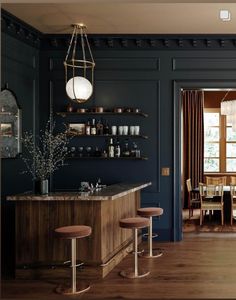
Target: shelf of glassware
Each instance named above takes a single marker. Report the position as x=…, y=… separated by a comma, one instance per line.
x=65, y=114
x=109, y=136
x=109, y=158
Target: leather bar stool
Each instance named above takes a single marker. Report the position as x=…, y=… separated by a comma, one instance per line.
x=134, y=224
x=150, y=212
x=73, y=232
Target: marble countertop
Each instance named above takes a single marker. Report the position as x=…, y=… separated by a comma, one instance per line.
x=110, y=192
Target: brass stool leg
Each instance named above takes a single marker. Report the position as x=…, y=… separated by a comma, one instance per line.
x=82, y=287
x=135, y=234
x=151, y=253
x=73, y=265
x=130, y=273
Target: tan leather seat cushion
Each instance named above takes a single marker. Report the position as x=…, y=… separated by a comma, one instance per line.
x=150, y=211
x=75, y=231
x=136, y=222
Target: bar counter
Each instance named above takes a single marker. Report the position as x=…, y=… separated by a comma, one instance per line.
x=111, y=192
x=37, y=216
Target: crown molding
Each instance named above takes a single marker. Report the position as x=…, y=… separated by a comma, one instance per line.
x=146, y=42
x=19, y=29
x=26, y=33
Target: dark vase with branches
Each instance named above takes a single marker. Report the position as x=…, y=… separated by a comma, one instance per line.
x=44, y=154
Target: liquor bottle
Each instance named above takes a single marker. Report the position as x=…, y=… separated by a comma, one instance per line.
x=97, y=152
x=69, y=108
x=106, y=128
x=117, y=149
x=87, y=128
x=93, y=129
x=126, y=151
x=99, y=128
x=133, y=150
x=111, y=149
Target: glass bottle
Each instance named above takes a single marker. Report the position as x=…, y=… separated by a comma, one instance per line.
x=111, y=149
x=117, y=149
x=87, y=128
x=93, y=129
x=133, y=150
x=126, y=151
x=99, y=128
x=106, y=128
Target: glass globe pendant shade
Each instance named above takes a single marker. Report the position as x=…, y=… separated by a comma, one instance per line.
x=79, y=88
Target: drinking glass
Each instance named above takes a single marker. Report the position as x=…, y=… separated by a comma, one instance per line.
x=125, y=130
x=136, y=130
x=121, y=130
x=80, y=150
x=88, y=150
x=114, y=130
x=131, y=130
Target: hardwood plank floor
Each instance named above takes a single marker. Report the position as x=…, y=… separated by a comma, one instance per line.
x=212, y=224
x=201, y=266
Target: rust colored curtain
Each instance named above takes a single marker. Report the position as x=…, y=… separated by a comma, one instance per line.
x=193, y=139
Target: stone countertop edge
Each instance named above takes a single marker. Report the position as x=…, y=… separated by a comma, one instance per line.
x=111, y=192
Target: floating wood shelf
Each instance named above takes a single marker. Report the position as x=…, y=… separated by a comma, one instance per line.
x=108, y=158
x=109, y=136
x=65, y=114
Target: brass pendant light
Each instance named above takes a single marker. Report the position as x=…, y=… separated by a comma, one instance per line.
x=79, y=66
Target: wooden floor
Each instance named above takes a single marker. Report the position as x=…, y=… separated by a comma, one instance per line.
x=201, y=266
x=212, y=224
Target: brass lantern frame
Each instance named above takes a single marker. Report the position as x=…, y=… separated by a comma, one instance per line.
x=72, y=64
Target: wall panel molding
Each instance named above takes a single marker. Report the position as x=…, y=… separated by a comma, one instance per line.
x=203, y=64
x=115, y=63
x=158, y=130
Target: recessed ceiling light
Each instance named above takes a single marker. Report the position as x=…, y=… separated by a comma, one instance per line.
x=224, y=15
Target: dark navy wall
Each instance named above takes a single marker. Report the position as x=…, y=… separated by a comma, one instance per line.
x=145, y=78
x=20, y=71
x=134, y=71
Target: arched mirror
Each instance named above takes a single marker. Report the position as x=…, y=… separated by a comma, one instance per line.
x=10, y=125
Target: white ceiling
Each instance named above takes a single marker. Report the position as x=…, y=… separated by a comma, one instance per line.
x=126, y=17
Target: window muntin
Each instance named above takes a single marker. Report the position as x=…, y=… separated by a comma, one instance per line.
x=219, y=143
x=211, y=141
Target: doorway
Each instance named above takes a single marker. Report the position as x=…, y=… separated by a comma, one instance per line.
x=179, y=86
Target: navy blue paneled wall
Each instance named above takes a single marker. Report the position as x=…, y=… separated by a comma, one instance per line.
x=20, y=71
x=139, y=77
x=122, y=79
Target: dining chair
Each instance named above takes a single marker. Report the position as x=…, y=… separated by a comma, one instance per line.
x=192, y=200
x=233, y=180
x=216, y=180
x=209, y=194
x=233, y=201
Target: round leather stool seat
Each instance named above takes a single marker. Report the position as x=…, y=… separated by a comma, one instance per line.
x=150, y=211
x=136, y=222
x=75, y=231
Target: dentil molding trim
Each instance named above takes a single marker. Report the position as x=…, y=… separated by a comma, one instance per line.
x=28, y=34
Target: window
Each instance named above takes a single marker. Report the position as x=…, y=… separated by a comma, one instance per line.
x=219, y=143
x=230, y=149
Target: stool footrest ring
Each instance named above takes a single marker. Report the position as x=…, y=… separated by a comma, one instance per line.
x=69, y=261
x=153, y=235
x=155, y=253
